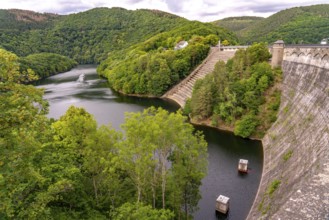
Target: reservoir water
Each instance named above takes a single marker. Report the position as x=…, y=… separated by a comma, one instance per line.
x=224, y=148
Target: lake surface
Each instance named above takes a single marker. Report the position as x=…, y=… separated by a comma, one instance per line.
x=224, y=148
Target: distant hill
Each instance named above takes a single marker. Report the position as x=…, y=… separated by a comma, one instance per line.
x=237, y=23
x=295, y=25
x=20, y=20
x=88, y=36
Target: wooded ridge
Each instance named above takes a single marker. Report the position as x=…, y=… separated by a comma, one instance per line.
x=299, y=25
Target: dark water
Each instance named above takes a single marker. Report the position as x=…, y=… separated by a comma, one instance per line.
x=224, y=149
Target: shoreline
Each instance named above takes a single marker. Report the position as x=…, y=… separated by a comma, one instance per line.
x=136, y=95
x=207, y=122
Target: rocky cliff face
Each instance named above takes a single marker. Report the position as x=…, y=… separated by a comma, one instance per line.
x=295, y=181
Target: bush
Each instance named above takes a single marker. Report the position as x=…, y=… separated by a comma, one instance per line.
x=187, y=108
x=274, y=185
x=246, y=126
x=287, y=155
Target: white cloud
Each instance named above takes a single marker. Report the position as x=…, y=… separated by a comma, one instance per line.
x=204, y=10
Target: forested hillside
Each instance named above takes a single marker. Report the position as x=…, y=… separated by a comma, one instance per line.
x=46, y=64
x=87, y=37
x=236, y=24
x=39, y=65
x=153, y=66
x=300, y=25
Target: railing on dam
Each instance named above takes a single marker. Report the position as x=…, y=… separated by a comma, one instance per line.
x=225, y=48
x=233, y=48
x=306, y=46
x=281, y=51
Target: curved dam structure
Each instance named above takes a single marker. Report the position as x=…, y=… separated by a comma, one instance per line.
x=295, y=179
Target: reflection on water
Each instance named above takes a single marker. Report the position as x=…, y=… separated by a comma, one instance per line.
x=224, y=148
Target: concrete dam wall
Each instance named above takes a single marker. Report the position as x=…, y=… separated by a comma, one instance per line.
x=295, y=180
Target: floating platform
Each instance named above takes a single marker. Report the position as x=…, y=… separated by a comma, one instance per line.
x=243, y=166
x=222, y=204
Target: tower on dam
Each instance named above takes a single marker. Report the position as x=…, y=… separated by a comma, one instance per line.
x=277, y=53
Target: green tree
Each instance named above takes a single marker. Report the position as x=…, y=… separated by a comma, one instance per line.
x=136, y=151
x=63, y=159
x=225, y=43
x=9, y=69
x=79, y=168
x=257, y=53
x=246, y=126
x=263, y=83
x=133, y=211
x=211, y=39
x=159, y=74
x=190, y=165
x=162, y=156
x=22, y=120
x=202, y=101
x=229, y=109
x=102, y=180
x=251, y=101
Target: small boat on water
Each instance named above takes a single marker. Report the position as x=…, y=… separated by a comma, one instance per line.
x=81, y=78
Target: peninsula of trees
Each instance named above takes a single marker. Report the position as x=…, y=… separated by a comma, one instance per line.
x=241, y=95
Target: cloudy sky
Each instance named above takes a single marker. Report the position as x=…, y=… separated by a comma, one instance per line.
x=203, y=10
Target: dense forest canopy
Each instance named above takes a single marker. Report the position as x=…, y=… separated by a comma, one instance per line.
x=236, y=24
x=240, y=94
x=41, y=65
x=300, y=25
x=153, y=66
x=73, y=169
x=46, y=64
x=86, y=37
